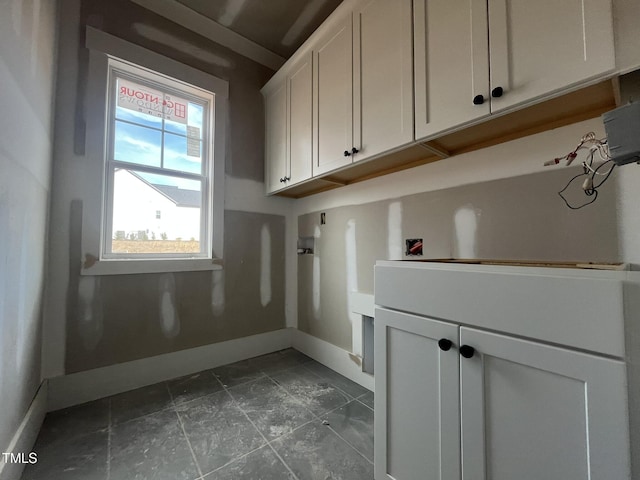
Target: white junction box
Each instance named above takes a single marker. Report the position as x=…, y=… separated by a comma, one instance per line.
x=623, y=133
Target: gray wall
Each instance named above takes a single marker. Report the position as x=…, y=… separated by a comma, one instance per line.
x=27, y=71
x=117, y=318
x=518, y=218
x=98, y=321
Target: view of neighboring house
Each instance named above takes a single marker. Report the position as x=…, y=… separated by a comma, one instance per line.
x=142, y=210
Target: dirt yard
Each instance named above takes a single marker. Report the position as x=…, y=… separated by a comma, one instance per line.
x=155, y=246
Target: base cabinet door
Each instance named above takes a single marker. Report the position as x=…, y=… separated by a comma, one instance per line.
x=417, y=422
x=532, y=411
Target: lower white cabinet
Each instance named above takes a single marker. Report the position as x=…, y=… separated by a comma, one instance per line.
x=454, y=402
x=417, y=421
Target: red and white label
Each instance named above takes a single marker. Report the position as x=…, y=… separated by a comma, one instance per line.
x=149, y=101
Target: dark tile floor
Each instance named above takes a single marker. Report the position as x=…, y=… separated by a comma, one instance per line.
x=276, y=417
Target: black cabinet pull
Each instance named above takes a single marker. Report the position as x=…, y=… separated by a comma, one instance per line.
x=497, y=92
x=478, y=100
x=466, y=351
x=282, y=180
x=346, y=153
x=354, y=150
x=445, y=344
x=286, y=179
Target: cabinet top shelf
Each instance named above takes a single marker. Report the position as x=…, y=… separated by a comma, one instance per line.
x=528, y=263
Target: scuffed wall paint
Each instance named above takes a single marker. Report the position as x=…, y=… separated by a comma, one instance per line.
x=169, y=317
x=146, y=315
x=265, y=265
x=465, y=224
x=519, y=218
x=27, y=72
x=394, y=229
x=90, y=316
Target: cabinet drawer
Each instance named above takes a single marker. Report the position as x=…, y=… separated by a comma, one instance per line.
x=580, y=309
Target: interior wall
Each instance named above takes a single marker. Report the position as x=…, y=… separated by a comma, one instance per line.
x=99, y=321
x=498, y=202
x=27, y=72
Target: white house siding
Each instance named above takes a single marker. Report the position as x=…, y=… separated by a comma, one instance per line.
x=135, y=206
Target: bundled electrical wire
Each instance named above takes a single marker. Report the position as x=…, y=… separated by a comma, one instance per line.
x=591, y=182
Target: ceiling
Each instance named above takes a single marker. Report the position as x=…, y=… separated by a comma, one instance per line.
x=280, y=26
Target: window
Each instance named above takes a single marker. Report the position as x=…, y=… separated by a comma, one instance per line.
x=155, y=154
x=157, y=158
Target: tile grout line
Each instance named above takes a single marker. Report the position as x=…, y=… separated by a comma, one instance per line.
x=184, y=432
x=361, y=402
x=348, y=443
x=317, y=417
x=109, y=442
x=333, y=384
x=258, y=430
x=350, y=397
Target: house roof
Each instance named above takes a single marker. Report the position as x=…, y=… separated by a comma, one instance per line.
x=180, y=196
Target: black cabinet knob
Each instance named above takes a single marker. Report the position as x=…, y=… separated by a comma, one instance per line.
x=497, y=92
x=478, y=100
x=347, y=153
x=445, y=344
x=282, y=180
x=466, y=351
x=286, y=179
x=354, y=150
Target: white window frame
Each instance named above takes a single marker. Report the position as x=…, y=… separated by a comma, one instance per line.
x=137, y=74
x=102, y=47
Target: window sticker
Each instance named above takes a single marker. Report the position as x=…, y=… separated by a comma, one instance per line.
x=193, y=141
x=144, y=99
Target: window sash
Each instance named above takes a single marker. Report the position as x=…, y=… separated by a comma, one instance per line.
x=118, y=69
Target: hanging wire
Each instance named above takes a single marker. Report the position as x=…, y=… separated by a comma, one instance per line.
x=589, y=185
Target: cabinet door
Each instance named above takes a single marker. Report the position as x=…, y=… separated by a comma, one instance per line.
x=538, y=48
x=532, y=411
x=383, y=76
x=300, y=120
x=451, y=64
x=275, y=104
x=417, y=423
x=333, y=98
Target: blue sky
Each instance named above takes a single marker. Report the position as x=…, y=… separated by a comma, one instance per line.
x=137, y=144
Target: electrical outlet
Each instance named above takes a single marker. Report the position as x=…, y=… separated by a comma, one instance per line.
x=414, y=247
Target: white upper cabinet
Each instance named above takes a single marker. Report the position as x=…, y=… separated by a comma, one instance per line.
x=276, y=156
x=451, y=64
x=534, y=50
x=383, y=83
x=333, y=98
x=300, y=95
x=538, y=48
x=289, y=124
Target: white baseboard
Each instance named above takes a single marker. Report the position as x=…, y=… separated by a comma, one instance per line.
x=82, y=387
x=331, y=356
x=26, y=435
